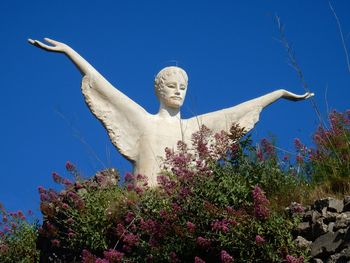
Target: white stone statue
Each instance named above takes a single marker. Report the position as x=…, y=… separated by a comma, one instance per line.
x=142, y=137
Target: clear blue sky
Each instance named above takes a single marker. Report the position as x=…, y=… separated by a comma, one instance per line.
x=228, y=48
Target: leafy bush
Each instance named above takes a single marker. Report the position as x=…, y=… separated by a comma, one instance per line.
x=327, y=164
x=219, y=200
x=17, y=238
x=206, y=209
x=77, y=217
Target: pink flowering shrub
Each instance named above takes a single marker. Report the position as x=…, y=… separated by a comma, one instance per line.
x=328, y=161
x=17, y=237
x=204, y=210
x=212, y=205
x=331, y=156
x=77, y=217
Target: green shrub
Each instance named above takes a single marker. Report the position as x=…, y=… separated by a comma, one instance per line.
x=17, y=238
x=78, y=217
x=208, y=208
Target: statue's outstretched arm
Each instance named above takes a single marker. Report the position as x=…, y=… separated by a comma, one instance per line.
x=123, y=118
x=84, y=67
x=269, y=98
x=245, y=114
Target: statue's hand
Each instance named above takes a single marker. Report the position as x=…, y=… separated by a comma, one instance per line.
x=56, y=46
x=291, y=96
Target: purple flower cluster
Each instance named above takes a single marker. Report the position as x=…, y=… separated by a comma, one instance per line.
x=261, y=203
x=9, y=223
x=113, y=255
x=191, y=227
x=266, y=150
x=221, y=225
x=259, y=240
x=292, y=259
x=198, y=260
x=203, y=242
x=296, y=208
x=69, y=166
x=225, y=257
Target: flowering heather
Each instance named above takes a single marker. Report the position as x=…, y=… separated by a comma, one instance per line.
x=198, y=260
x=259, y=240
x=130, y=239
x=69, y=166
x=17, y=237
x=261, y=203
x=55, y=243
x=57, y=178
x=296, y=208
x=292, y=259
x=327, y=162
x=114, y=256
x=204, y=209
x=225, y=257
x=191, y=227
x=220, y=225
x=268, y=149
x=87, y=257
x=203, y=242
x=101, y=260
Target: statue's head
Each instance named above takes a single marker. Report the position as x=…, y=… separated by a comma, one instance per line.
x=171, y=86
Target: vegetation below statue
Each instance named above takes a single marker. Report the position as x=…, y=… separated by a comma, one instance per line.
x=220, y=199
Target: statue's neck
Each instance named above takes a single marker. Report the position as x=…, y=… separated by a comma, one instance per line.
x=166, y=112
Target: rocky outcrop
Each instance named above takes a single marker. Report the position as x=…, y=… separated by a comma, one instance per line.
x=325, y=230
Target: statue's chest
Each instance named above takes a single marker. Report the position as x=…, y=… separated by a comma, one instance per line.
x=157, y=136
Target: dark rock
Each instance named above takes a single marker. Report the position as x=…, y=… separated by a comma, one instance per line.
x=342, y=257
x=304, y=229
x=326, y=225
x=311, y=216
x=320, y=204
x=319, y=228
x=330, y=217
x=327, y=244
x=331, y=204
x=346, y=202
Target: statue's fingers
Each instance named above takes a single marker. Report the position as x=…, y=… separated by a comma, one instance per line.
x=44, y=46
x=31, y=41
x=51, y=41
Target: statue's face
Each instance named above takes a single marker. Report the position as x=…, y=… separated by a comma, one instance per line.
x=173, y=91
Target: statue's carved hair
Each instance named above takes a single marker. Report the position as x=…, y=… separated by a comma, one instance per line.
x=166, y=72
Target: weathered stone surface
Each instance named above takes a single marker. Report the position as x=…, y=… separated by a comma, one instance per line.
x=320, y=204
x=327, y=225
x=303, y=243
x=335, y=205
x=319, y=228
x=326, y=244
x=331, y=227
x=330, y=217
x=342, y=257
x=342, y=221
x=311, y=216
x=304, y=229
x=331, y=204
